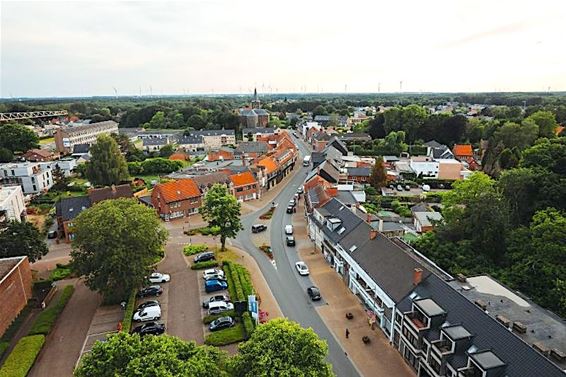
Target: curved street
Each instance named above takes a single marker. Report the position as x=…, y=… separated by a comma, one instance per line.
x=286, y=285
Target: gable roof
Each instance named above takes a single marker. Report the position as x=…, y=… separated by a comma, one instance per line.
x=426, y=218
x=40, y=152
x=359, y=172
x=207, y=180
x=338, y=144
x=69, y=208
x=114, y=192
x=258, y=130
x=252, y=147
x=463, y=150
x=349, y=221
x=181, y=189
x=269, y=164
x=328, y=172
x=245, y=178
x=81, y=148
x=190, y=139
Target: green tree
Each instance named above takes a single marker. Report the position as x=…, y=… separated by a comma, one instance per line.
x=378, y=177
x=319, y=110
x=197, y=122
x=17, y=138
x=157, y=121
x=128, y=355
x=282, y=348
x=167, y=151
x=413, y=117
x=60, y=182
x=547, y=154
x=116, y=242
x=222, y=210
x=107, y=166
x=546, y=122
x=22, y=238
x=517, y=135
x=6, y=155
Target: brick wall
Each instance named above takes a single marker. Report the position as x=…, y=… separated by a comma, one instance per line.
x=15, y=291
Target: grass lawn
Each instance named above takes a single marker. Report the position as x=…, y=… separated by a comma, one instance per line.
x=227, y=255
x=227, y=336
x=410, y=237
x=46, y=140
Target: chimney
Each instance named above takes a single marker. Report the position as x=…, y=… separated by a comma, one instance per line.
x=380, y=225
x=372, y=234
x=332, y=191
x=417, y=276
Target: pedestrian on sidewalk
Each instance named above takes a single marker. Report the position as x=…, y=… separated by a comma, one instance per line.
x=347, y=333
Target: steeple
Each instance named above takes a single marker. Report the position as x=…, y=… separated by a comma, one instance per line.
x=256, y=103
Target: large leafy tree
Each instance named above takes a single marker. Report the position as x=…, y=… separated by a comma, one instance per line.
x=378, y=177
x=163, y=356
x=517, y=135
x=546, y=122
x=282, y=348
x=222, y=210
x=22, y=238
x=107, y=166
x=116, y=242
x=548, y=154
x=17, y=138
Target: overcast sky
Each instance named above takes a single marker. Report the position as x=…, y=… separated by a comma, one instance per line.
x=229, y=46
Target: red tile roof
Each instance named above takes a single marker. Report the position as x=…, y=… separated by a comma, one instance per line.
x=463, y=150
x=178, y=190
x=269, y=164
x=178, y=156
x=241, y=179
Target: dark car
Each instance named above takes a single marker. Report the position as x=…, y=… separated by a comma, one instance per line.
x=148, y=304
x=215, y=298
x=154, y=290
x=150, y=328
x=221, y=323
x=203, y=257
x=290, y=241
x=290, y=209
x=314, y=293
x=52, y=234
x=258, y=228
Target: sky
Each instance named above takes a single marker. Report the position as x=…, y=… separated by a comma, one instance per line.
x=97, y=48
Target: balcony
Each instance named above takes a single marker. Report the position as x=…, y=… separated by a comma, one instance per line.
x=470, y=371
x=417, y=319
x=443, y=346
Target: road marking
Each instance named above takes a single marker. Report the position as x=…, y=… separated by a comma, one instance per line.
x=274, y=264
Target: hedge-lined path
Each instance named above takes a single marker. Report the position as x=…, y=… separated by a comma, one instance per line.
x=63, y=345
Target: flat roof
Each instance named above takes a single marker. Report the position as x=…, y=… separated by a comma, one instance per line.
x=487, y=360
x=429, y=307
x=457, y=332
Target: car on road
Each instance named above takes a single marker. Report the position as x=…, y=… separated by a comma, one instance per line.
x=150, y=328
x=302, y=268
x=314, y=293
x=203, y=257
x=290, y=240
x=215, y=298
x=291, y=209
x=150, y=313
x=221, y=323
x=218, y=307
x=426, y=188
x=215, y=285
x=158, y=277
x=147, y=304
x=212, y=272
x=256, y=228
x=152, y=290
x=289, y=229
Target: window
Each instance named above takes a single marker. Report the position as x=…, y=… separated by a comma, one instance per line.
x=34, y=188
x=32, y=179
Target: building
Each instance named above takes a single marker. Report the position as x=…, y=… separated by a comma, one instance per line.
x=206, y=181
x=463, y=152
x=359, y=175
x=67, y=165
x=108, y=193
x=221, y=154
x=254, y=116
x=424, y=221
x=436, y=150
x=251, y=134
x=15, y=289
x=154, y=144
x=191, y=143
x=438, y=168
x=214, y=139
x=319, y=141
x=176, y=199
x=39, y=155
x=34, y=177
x=251, y=149
x=66, y=138
x=244, y=186
x=12, y=206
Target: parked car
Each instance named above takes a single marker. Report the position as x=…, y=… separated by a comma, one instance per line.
x=426, y=188
x=215, y=277
x=152, y=290
x=292, y=202
x=256, y=228
x=288, y=229
x=399, y=188
x=215, y=285
x=302, y=268
x=290, y=241
x=407, y=188
x=221, y=323
x=158, y=277
x=300, y=190
x=203, y=257
x=52, y=234
x=212, y=272
x=150, y=313
x=290, y=209
x=147, y=304
x=218, y=307
x=150, y=328
x=215, y=298
x=314, y=293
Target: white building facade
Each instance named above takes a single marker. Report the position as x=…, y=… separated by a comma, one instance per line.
x=12, y=205
x=33, y=177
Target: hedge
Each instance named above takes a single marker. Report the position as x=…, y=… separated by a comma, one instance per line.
x=46, y=319
x=205, y=231
x=203, y=265
x=238, y=277
x=22, y=357
x=3, y=347
x=61, y=272
x=129, y=313
x=195, y=249
x=229, y=280
x=249, y=324
x=227, y=336
x=209, y=318
x=246, y=280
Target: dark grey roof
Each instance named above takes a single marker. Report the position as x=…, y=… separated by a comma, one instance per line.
x=146, y=200
x=338, y=144
x=252, y=147
x=349, y=221
x=432, y=144
x=261, y=112
x=359, y=172
x=347, y=198
x=420, y=207
x=69, y=208
x=156, y=141
x=521, y=359
x=190, y=139
x=317, y=158
x=456, y=332
x=322, y=118
x=327, y=171
x=81, y=148
x=212, y=132
x=258, y=130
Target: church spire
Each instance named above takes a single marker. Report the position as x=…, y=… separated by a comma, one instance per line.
x=255, y=102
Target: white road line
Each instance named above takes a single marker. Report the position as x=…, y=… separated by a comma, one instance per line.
x=274, y=264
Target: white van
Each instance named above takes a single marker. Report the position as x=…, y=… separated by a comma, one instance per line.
x=150, y=313
x=289, y=229
x=218, y=307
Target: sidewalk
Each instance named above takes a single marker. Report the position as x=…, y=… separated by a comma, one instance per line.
x=378, y=358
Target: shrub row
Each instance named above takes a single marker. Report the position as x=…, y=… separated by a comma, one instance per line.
x=249, y=324
x=209, y=318
x=245, y=280
x=205, y=231
x=195, y=249
x=22, y=357
x=229, y=280
x=129, y=312
x=3, y=347
x=227, y=336
x=204, y=265
x=45, y=321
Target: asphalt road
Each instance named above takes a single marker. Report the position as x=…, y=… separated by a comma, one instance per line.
x=287, y=286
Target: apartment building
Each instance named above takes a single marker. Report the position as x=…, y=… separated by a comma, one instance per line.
x=34, y=177
x=176, y=199
x=66, y=138
x=244, y=186
x=12, y=206
x=214, y=139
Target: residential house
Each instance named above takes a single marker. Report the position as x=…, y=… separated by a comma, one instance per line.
x=251, y=149
x=251, y=134
x=108, y=193
x=424, y=221
x=155, y=144
x=34, y=177
x=80, y=150
x=244, y=186
x=15, y=289
x=319, y=141
x=67, y=209
x=67, y=165
x=12, y=205
x=437, y=150
x=67, y=137
x=221, y=154
x=214, y=139
x=175, y=199
x=326, y=170
x=463, y=152
x=206, y=181
x=191, y=143
x=359, y=175
x=39, y=155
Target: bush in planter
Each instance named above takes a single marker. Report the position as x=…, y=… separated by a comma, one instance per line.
x=229, y=280
x=195, y=249
x=204, y=265
x=22, y=357
x=249, y=324
x=227, y=336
